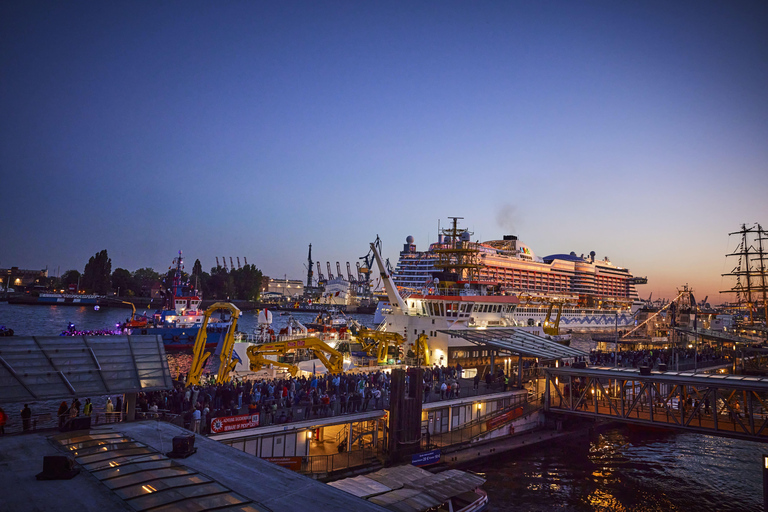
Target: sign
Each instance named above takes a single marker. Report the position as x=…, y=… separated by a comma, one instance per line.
x=426, y=458
x=292, y=463
x=230, y=423
x=503, y=418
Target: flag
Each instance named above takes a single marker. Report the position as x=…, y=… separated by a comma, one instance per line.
x=235, y=356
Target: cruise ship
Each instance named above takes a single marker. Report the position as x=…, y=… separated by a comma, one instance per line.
x=591, y=294
x=453, y=290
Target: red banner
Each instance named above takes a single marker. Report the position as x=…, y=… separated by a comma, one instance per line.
x=230, y=423
x=503, y=418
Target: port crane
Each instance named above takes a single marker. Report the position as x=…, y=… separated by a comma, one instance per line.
x=309, y=267
x=225, y=349
x=377, y=343
x=330, y=357
x=330, y=275
x=320, y=276
x=338, y=271
x=349, y=274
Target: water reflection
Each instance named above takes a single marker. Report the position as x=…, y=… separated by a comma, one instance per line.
x=629, y=470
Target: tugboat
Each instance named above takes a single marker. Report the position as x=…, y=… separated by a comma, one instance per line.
x=330, y=321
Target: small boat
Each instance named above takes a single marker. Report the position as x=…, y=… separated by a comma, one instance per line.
x=329, y=320
x=5, y=331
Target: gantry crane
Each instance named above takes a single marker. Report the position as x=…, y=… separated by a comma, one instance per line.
x=331, y=358
x=200, y=355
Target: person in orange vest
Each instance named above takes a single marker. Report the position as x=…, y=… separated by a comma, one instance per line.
x=3, y=421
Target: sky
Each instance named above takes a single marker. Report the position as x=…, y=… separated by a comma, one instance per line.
x=252, y=129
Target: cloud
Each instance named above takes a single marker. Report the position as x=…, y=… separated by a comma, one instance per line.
x=505, y=218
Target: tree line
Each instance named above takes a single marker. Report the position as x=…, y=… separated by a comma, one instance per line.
x=220, y=284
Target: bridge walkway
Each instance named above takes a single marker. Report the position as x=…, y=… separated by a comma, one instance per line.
x=725, y=405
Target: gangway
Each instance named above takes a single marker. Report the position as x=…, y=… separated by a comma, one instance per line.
x=719, y=404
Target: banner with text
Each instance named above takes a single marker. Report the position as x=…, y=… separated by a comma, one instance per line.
x=230, y=423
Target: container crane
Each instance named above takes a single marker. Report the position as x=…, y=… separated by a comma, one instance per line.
x=309, y=267
x=338, y=271
x=349, y=274
x=320, y=276
x=330, y=275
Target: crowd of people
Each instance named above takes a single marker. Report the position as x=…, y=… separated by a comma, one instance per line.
x=283, y=400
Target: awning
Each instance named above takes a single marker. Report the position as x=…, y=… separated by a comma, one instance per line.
x=57, y=367
x=517, y=341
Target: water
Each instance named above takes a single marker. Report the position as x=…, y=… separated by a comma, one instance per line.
x=616, y=470
x=629, y=471
x=30, y=320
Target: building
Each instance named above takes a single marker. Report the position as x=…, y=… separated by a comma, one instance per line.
x=289, y=288
x=18, y=279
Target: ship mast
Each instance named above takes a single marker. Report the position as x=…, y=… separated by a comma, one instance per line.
x=750, y=271
x=458, y=255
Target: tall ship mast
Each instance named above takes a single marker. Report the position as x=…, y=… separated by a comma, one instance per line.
x=751, y=288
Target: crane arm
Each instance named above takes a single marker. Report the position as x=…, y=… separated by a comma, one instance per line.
x=330, y=357
x=200, y=355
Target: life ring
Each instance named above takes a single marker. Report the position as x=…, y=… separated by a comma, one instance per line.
x=175, y=339
x=143, y=331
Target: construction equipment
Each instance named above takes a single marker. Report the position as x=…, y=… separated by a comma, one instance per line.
x=331, y=358
x=330, y=275
x=338, y=271
x=550, y=327
x=224, y=349
x=377, y=343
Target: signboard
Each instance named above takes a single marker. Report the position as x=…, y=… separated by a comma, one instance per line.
x=292, y=463
x=230, y=423
x=503, y=418
x=426, y=458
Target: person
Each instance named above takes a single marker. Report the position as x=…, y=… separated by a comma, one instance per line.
x=3, y=421
x=195, y=427
x=62, y=413
x=26, y=415
x=476, y=380
x=88, y=407
x=110, y=410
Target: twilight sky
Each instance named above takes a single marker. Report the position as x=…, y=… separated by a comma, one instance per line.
x=635, y=129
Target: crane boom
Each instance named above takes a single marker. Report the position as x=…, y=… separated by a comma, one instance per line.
x=338, y=270
x=200, y=355
x=320, y=276
x=330, y=357
x=330, y=274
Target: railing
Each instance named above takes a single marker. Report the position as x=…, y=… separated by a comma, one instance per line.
x=47, y=421
x=318, y=464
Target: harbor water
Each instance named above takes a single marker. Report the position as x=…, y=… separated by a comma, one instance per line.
x=613, y=470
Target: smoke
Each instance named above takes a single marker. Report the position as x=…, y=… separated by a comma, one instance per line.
x=505, y=218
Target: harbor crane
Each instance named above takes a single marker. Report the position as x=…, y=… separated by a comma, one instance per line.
x=360, y=278
x=330, y=357
x=338, y=271
x=330, y=275
x=349, y=274
x=309, y=267
x=224, y=349
x=320, y=276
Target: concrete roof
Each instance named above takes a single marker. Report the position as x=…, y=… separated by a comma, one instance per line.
x=270, y=486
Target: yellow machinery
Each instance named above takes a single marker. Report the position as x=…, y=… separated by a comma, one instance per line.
x=331, y=358
x=377, y=342
x=200, y=355
x=550, y=327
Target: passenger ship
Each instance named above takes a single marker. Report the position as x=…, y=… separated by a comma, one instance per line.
x=458, y=284
x=595, y=294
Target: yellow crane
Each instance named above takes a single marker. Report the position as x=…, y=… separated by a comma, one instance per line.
x=200, y=355
x=377, y=343
x=330, y=357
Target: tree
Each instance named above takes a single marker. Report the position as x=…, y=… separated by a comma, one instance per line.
x=199, y=279
x=70, y=277
x=97, y=274
x=247, y=282
x=144, y=278
x=122, y=282
x=220, y=284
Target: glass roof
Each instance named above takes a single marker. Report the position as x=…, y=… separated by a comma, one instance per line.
x=58, y=367
x=146, y=479
x=518, y=342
